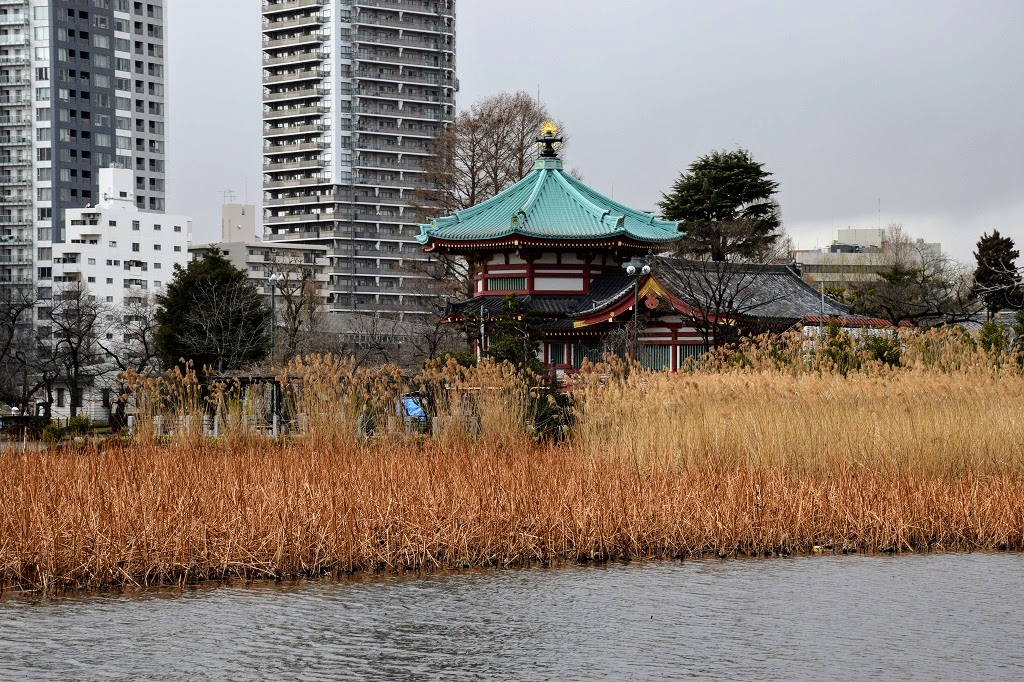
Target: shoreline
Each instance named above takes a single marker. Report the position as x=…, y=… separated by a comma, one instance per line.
x=16, y=594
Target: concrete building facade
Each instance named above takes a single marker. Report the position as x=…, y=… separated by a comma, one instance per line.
x=856, y=256
x=123, y=254
x=241, y=246
x=353, y=94
x=82, y=88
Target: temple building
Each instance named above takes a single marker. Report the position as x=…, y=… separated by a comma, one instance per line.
x=588, y=267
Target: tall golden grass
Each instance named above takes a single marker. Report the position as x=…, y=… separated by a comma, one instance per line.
x=756, y=457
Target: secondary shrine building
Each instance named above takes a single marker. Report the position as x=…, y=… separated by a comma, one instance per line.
x=587, y=265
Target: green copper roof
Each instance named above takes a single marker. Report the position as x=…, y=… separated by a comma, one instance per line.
x=549, y=204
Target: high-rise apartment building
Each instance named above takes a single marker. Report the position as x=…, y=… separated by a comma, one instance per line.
x=81, y=89
x=353, y=94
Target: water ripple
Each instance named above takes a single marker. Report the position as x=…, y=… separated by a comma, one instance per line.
x=948, y=616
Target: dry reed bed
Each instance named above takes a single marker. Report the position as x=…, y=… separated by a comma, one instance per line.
x=661, y=466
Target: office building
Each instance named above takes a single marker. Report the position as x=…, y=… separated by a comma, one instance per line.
x=857, y=256
x=81, y=89
x=353, y=94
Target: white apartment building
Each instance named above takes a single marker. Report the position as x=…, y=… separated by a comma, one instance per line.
x=81, y=89
x=353, y=94
x=121, y=253
x=124, y=257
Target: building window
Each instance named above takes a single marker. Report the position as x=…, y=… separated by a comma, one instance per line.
x=506, y=283
x=556, y=353
x=136, y=247
x=60, y=397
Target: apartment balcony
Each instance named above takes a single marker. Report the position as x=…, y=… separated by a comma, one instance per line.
x=15, y=240
x=314, y=92
x=293, y=182
x=414, y=42
x=405, y=97
x=295, y=112
x=15, y=201
x=309, y=56
x=372, y=164
x=367, y=19
x=13, y=19
x=384, y=130
x=297, y=76
x=16, y=60
x=9, y=162
x=294, y=165
x=294, y=23
x=296, y=218
x=293, y=130
x=425, y=61
x=272, y=8
x=411, y=6
x=275, y=150
x=14, y=40
x=15, y=101
x=15, y=182
x=10, y=81
x=15, y=122
x=21, y=259
x=312, y=199
x=367, y=73
x=294, y=41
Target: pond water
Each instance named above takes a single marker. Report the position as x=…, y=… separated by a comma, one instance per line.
x=912, y=617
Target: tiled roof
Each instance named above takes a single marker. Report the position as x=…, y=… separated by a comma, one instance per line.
x=767, y=291
x=550, y=204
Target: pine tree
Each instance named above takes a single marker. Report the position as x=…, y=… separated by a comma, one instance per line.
x=516, y=336
x=996, y=279
x=725, y=206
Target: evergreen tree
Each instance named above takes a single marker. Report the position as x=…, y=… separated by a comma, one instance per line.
x=212, y=315
x=516, y=336
x=725, y=206
x=996, y=280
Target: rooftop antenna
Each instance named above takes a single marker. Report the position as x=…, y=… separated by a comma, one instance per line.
x=229, y=196
x=879, y=213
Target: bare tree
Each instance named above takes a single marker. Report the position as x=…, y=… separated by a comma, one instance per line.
x=490, y=147
x=302, y=312
x=724, y=296
x=917, y=284
x=130, y=348
x=17, y=343
x=76, y=321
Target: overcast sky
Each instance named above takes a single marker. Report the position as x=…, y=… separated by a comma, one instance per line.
x=918, y=105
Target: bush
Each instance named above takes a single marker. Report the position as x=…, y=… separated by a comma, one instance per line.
x=79, y=426
x=53, y=434
x=992, y=338
x=885, y=349
x=838, y=350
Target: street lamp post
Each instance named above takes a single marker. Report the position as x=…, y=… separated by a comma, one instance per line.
x=274, y=278
x=636, y=274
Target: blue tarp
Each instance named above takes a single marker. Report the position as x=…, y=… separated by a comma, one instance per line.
x=413, y=409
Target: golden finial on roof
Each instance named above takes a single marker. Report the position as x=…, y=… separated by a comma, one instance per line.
x=548, y=128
